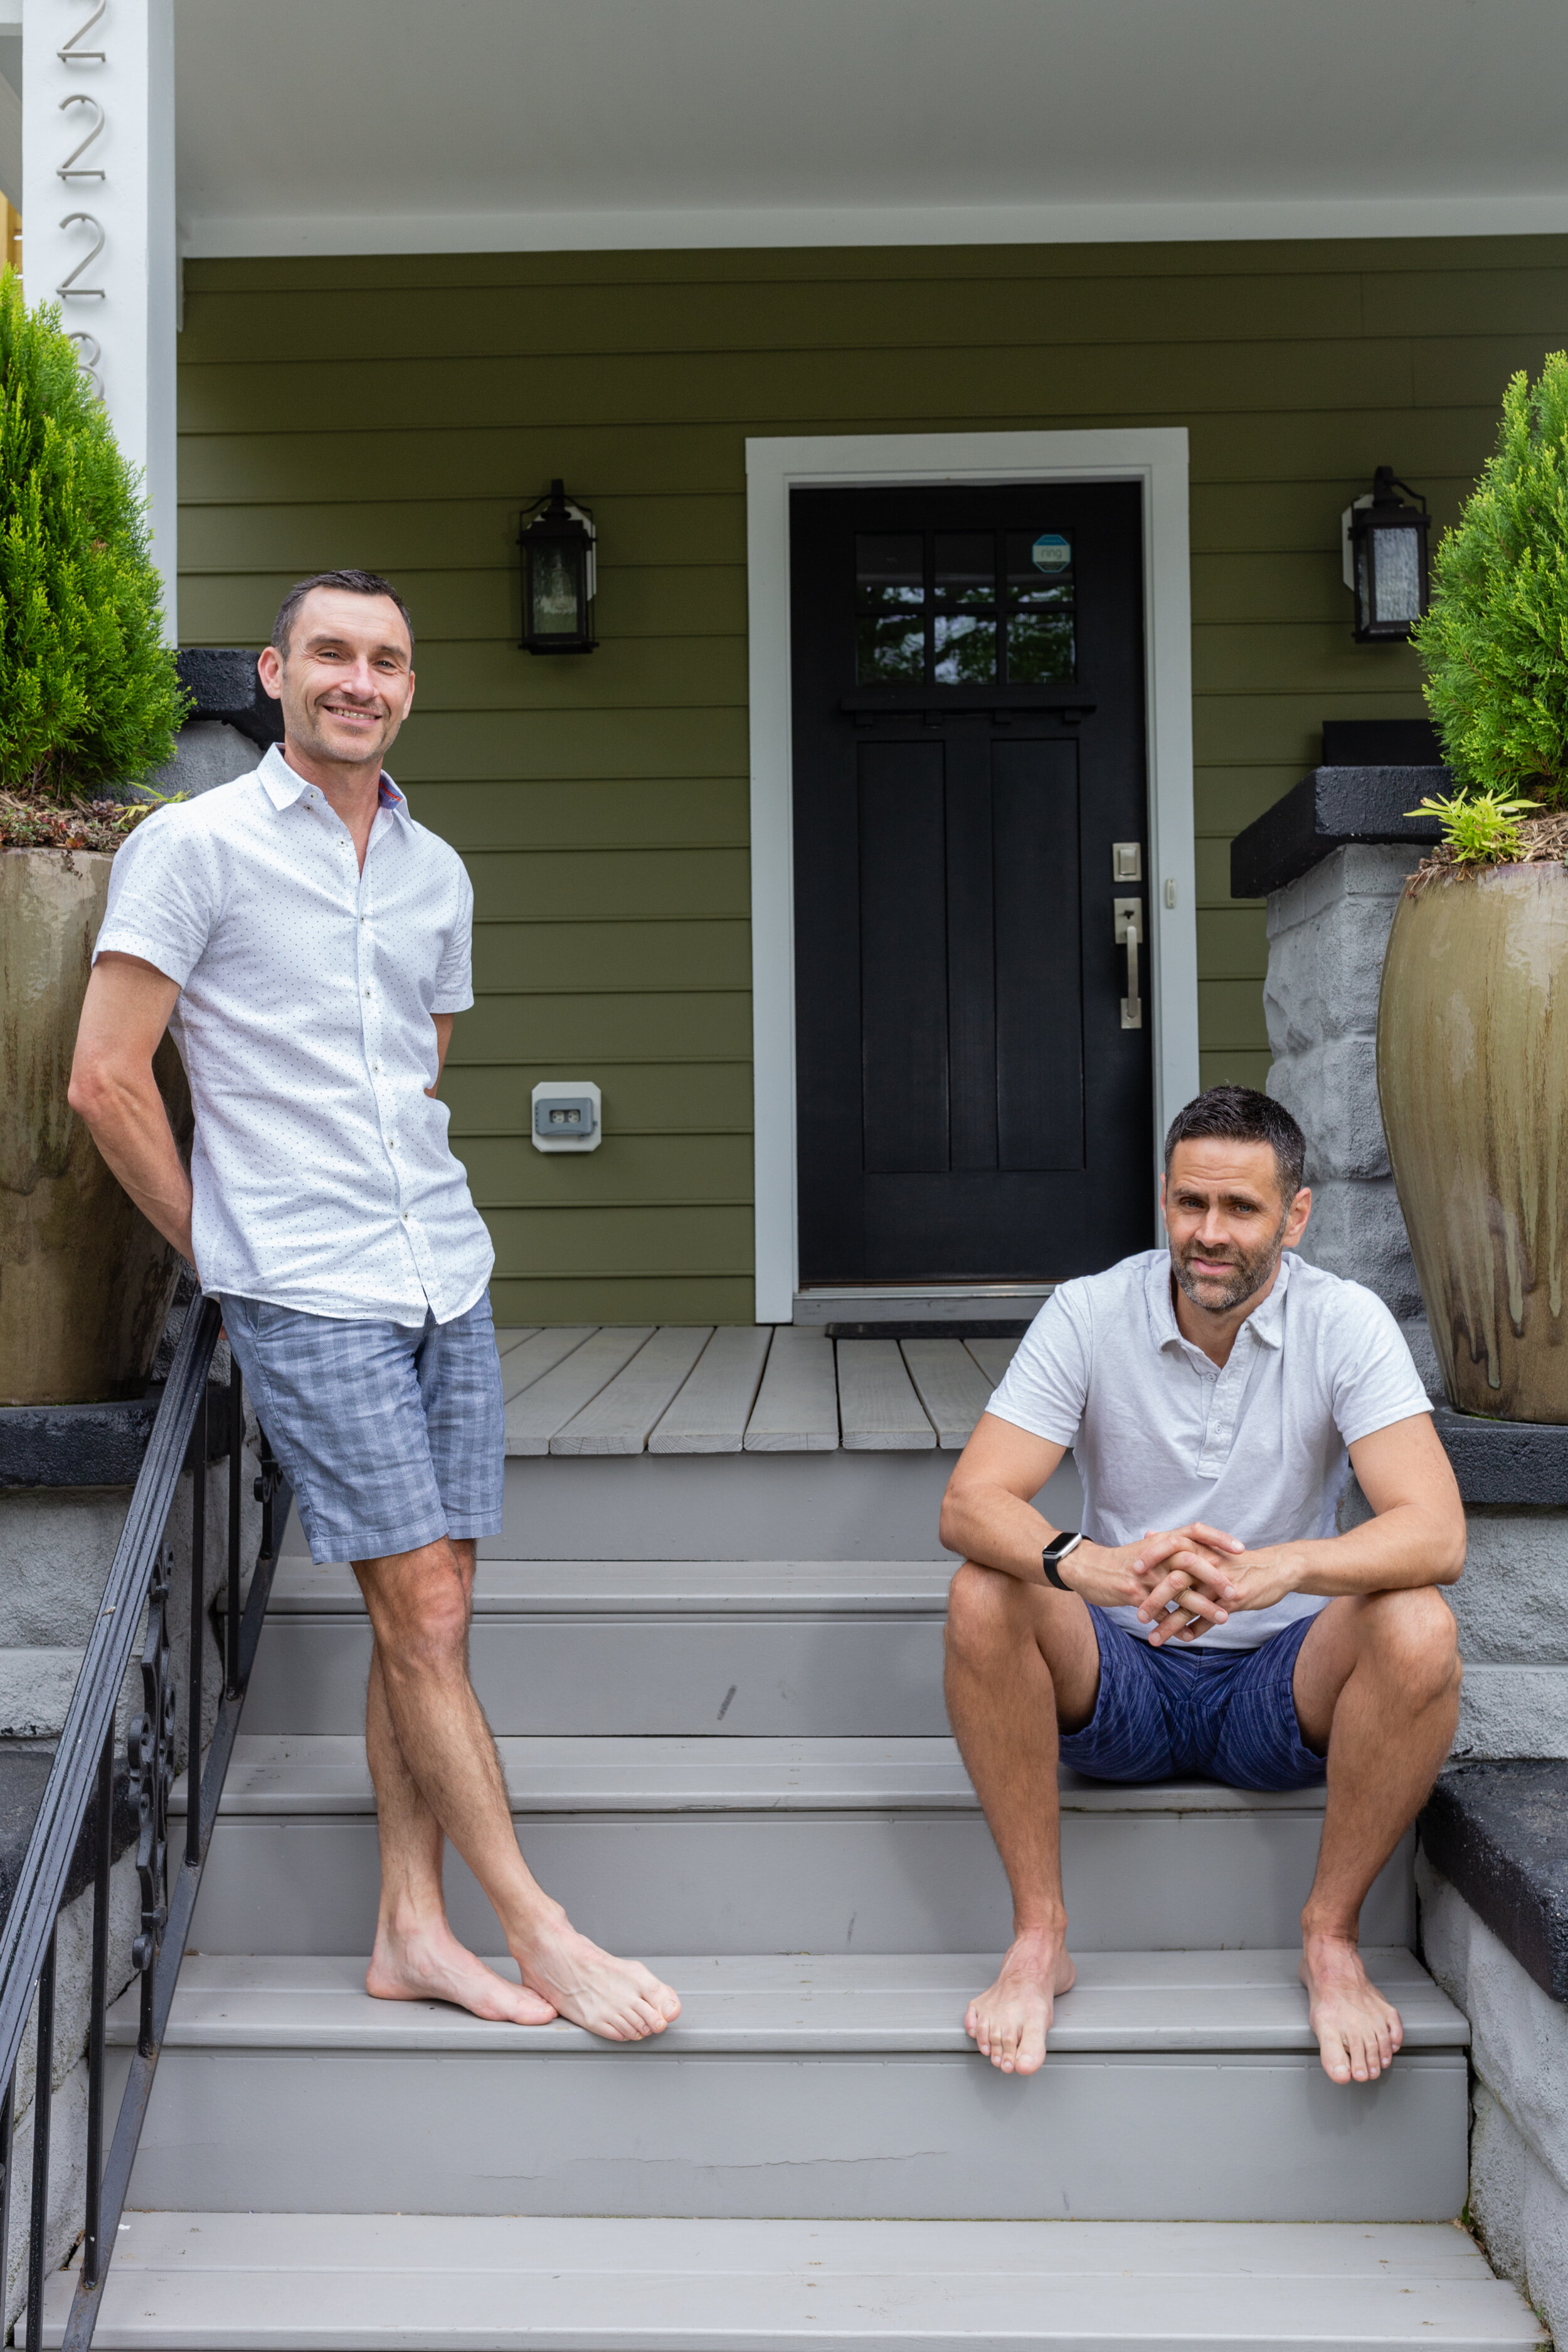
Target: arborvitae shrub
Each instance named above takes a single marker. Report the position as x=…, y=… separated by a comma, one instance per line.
x=1495, y=642
x=89, y=692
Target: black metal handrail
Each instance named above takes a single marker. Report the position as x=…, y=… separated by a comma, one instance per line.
x=79, y=1798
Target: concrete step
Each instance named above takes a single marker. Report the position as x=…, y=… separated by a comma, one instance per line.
x=1180, y=2086
x=195, y=2281
x=662, y=1647
x=838, y=1505
x=773, y=1845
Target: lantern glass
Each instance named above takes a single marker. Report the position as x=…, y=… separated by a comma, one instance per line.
x=555, y=590
x=1395, y=574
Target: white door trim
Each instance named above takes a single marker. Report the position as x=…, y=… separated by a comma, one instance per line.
x=1154, y=455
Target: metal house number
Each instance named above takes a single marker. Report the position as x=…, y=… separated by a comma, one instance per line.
x=70, y=288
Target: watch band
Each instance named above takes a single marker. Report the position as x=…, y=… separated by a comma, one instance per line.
x=1055, y=1553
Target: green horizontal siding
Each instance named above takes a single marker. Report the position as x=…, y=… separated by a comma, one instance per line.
x=398, y=411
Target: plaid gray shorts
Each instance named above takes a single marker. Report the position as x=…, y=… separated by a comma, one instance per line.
x=391, y=1433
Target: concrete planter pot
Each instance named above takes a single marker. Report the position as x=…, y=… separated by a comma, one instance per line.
x=85, y=1282
x=1472, y=1071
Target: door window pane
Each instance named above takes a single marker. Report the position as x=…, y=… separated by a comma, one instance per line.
x=1039, y=608
x=965, y=608
x=889, y=607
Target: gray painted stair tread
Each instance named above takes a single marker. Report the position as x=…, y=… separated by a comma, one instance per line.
x=878, y=1408
x=549, y=1404
x=817, y=2002
x=539, y=1353
x=796, y=1409
x=399, y=2282
x=951, y=1385
x=711, y=1413
x=993, y=1356
x=506, y=1588
x=620, y=1417
x=287, y=1773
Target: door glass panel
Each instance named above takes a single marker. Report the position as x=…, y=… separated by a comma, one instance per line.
x=1040, y=608
x=889, y=607
x=965, y=608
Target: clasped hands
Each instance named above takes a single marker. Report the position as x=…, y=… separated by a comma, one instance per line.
x=1206, y=1573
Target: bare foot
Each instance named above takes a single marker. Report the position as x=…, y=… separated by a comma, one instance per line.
x=1358, y=2032
x=1009, y=2022
x=620, y=1999
x=429, y=1964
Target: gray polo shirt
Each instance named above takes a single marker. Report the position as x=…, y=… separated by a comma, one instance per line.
x=1163, y=1436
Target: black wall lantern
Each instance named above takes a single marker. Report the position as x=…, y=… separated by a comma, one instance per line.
x=558, y=576
x=1385, y=560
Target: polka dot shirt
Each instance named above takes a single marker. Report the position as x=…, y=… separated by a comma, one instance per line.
x=322, y=1173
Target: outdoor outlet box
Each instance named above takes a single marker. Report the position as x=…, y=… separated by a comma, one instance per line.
x=566, y=1116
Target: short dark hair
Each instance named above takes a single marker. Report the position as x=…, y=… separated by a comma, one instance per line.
x=358, y=583
x=1242, y=1115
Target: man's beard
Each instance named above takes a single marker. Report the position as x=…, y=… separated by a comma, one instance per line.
x=312, y=737
x=1248, y=1273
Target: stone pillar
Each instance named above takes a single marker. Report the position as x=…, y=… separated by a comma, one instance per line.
x=1327, y=932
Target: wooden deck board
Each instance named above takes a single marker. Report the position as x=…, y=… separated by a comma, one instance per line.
x=620, y=1418
x=539, y=1353
x=710, y=1413
x=950, y=1385
x=878, y=1408
x=993, y=1356
x=796, y=1409
x=533, y=1418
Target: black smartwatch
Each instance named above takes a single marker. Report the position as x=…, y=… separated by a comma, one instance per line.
x=1055, y=1553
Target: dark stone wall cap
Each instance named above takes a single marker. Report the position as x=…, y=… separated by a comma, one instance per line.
x=1325, y=811
x=1498, y=1833
x=1519, y=1463
x=224, y=682
x=92, y=1445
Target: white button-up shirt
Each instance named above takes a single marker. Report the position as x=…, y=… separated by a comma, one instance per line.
x=321, y=1170
x=1163, y=1435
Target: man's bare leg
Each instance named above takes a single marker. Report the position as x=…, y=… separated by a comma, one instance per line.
x=419, y=1604
x=1016, y=1659
x=416, y=1956
x=1376, y=1685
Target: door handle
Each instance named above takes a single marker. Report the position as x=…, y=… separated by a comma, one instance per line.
x=1127, y=915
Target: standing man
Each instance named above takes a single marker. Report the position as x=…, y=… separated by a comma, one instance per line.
x=1211, y=1391
x=308, y=946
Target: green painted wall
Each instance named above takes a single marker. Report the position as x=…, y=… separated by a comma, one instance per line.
x=398, y=412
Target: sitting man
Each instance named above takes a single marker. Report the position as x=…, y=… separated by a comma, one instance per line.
x=1211, y=1393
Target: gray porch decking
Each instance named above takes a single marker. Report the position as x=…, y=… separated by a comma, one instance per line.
x=739, y=1388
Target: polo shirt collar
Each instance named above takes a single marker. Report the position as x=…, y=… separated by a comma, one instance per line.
x=1266, y=1323
x=283, y=785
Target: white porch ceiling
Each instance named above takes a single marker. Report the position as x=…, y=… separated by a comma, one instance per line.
x=320, y=126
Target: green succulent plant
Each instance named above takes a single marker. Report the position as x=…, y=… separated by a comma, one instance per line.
x=1494, y=641
x=89, y=692
x=1479, y=828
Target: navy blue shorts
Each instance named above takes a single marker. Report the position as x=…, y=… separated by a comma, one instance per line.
x=1174, y=1713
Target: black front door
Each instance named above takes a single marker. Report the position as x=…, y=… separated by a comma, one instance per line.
x=970, y=853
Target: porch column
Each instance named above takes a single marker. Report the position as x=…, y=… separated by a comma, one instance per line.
x=98, y=218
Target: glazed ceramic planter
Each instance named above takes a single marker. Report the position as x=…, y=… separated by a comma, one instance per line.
x=1472, y=1069
x=85, y=1281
